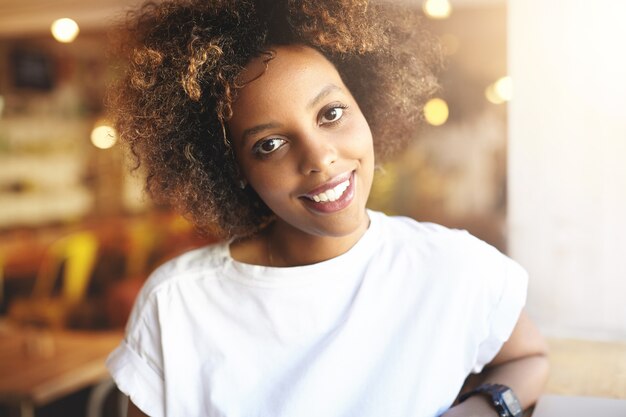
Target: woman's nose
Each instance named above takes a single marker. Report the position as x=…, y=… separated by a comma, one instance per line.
x=318, y=153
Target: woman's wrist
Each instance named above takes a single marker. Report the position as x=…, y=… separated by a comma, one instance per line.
x=475, y=406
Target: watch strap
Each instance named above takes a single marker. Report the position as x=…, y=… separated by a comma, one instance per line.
x=500, y=396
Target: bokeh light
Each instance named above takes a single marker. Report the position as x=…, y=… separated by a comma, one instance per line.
x=437, y=9
x=103, y=137
x=500, y=91
x=436, y=111
x=64, y=30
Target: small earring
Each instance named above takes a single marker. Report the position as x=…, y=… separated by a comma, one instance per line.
x=242, y=184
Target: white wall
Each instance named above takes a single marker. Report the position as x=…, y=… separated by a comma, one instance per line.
x=567, y=162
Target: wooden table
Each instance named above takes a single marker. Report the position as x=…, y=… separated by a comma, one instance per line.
x=38, y=367
x=587, y=368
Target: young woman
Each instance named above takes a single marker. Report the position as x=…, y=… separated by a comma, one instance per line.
x=262, y=122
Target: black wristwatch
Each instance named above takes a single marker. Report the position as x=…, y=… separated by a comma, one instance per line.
x=502, y=397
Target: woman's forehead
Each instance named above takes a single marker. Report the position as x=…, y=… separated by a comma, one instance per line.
x=281, y=64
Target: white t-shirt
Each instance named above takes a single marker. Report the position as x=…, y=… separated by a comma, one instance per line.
x=390, y=328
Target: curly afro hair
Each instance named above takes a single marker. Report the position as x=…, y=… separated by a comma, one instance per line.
x=182, y=60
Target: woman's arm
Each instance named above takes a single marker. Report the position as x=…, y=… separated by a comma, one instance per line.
x=521, y=364
x=133, y=411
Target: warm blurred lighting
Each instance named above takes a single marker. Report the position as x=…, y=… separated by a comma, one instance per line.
x=64, y=30
x=1, y=105
x=450, y=43
x=437, y=9
x=103, y=137
x=501, y=91
x=436, y=111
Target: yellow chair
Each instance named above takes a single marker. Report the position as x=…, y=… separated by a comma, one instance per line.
x=143, y=239
x=77, y=253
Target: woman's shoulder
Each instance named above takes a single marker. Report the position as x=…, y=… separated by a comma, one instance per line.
x=403, y=227
x=195, y=263
x=437, y=243
x=453, y=255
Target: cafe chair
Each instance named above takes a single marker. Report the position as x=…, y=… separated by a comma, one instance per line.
x=143, y=239
x=105, y=400
x=72, y=258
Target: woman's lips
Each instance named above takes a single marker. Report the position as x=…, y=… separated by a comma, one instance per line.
x=333, y=196
x=329, y=184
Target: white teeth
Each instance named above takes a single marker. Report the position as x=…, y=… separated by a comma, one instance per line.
x=332, y=194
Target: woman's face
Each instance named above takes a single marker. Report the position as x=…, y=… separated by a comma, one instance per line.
x=303, y=144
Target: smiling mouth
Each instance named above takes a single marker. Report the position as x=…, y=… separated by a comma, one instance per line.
x=332, y=194
x=332, y=191
x=332, y=198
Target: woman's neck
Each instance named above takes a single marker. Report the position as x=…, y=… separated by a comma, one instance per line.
x=281, y=245
x=287, y=246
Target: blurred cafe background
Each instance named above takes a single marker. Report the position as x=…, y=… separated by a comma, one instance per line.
x=524, y=146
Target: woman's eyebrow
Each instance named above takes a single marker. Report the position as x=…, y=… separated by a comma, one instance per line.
x=323, y=93
x=258, y=128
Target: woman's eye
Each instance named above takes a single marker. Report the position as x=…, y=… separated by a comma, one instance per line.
x=332, y=115
x=267, y=146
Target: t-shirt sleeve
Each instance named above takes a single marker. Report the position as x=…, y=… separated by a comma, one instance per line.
x=509, y=296
x=136, y=365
